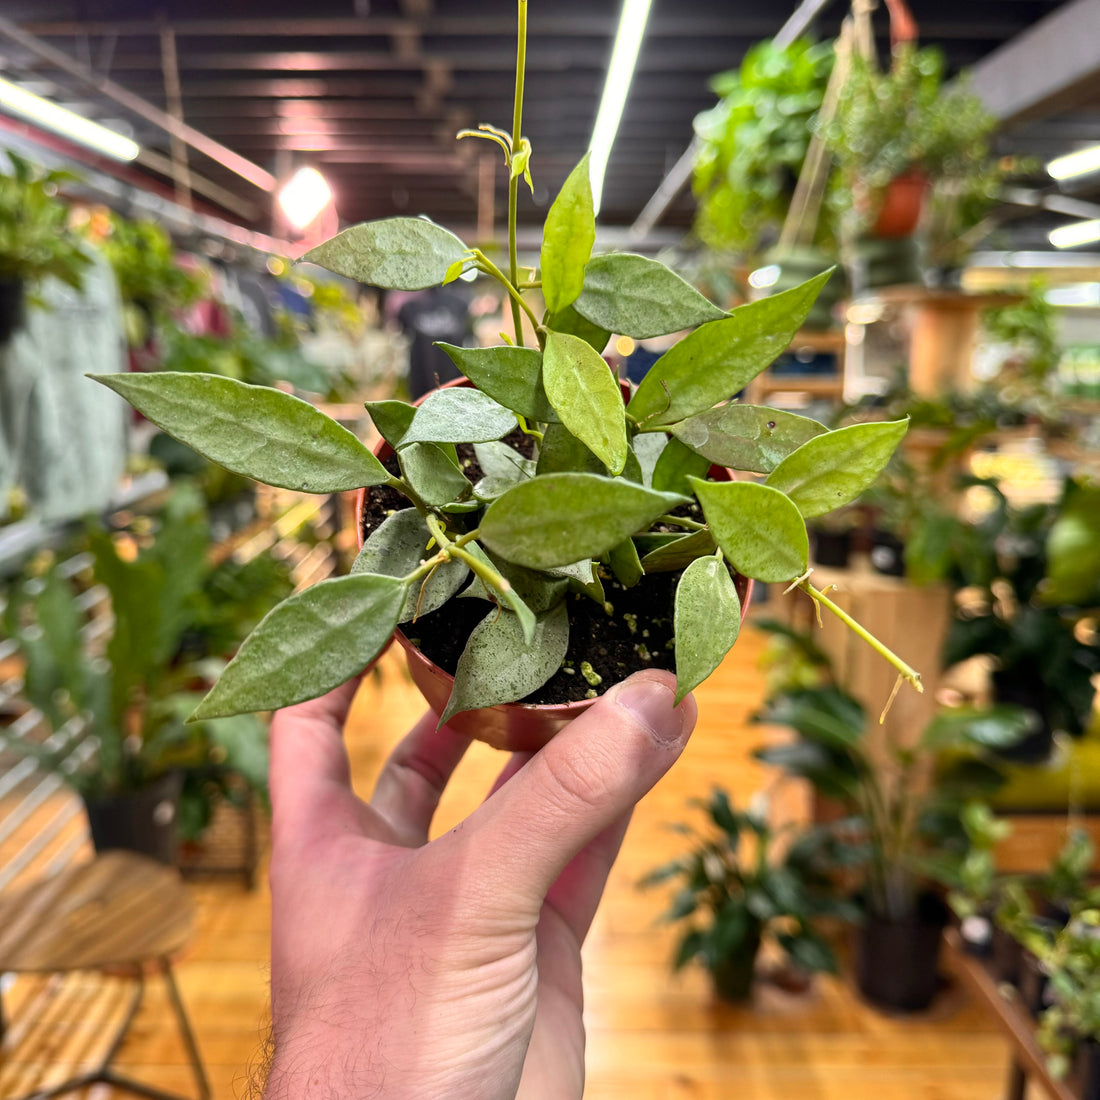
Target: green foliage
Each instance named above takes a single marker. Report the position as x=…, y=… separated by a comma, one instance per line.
x=590, y=502
x=738, y=885
x=35, y=241
x=753, y=143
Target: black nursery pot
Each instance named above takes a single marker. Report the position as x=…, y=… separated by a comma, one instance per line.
x=896, y=961
x=143, y=822
x=831, y=548
x=11, y=307
x=1016, y=685
x=887, y=553
x=1086, y=1070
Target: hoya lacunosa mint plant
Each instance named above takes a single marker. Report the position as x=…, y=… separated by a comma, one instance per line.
x=591, y=489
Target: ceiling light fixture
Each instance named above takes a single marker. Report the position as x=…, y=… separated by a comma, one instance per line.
x=65, y=122
x=1079, y=163
x=1068, y=236
x=304, y=196
x=624, y=57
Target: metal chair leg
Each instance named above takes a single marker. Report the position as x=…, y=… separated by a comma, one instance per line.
x=185, y=1029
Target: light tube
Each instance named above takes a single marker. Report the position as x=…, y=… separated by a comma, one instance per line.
x=1068, y=236
x=1079, y=163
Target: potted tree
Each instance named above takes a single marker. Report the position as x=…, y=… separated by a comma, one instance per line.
x=582, y=500
x=911, y=827
x=735, y=893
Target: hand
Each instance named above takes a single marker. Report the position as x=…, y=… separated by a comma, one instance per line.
x=412, y=969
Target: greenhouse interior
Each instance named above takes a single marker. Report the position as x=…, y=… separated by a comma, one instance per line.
x=665, y=435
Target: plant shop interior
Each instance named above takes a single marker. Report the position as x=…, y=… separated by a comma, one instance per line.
x=752, y=347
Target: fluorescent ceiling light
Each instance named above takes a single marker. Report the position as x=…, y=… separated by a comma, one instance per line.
x=1079, y=163
x=624, y=56
x=1067, y=236
x=305, y=195
x=64, y=122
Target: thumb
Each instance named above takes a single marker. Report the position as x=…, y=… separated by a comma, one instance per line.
x=587, y=778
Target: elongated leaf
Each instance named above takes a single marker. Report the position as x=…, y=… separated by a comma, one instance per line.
x=746, y=437
x=583, y=577
x=391, y=418
x=538, y=591
x=502, y=467
x=434, y=474
x=506, y=594
x=722, y=357
x=394, y=253
x=557, y=519
x=586, y=396
x=648, y=447
x=396, y=548
x=638, y=297
x=567, y=239
x=707, y=621
x=308, y=645
x=833, y=469
x=675, y=465
x=498, y=667
x=625, y=563
x=511, y=376
x=759, y=530
x=252, y=430
x=569, y=321
x=459, y=415
x=679, y=553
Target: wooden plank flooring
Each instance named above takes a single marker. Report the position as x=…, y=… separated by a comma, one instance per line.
x=651, y=1036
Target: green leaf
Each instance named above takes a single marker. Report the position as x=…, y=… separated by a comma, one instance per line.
x=827, y=716
x=391, y=418
x=562, y=452
x=459, y=415
x=586, y=396
x=583, y=577
x=433, y=474
x=502, y=467
x=997, y=727
x=508, y=595
x=252, y=430
x=679, y=553
x=722, y=357
x=625, y=563
x=394, y=253
x=538, y=591
x=567, y=239
x=560, y=518
x=511, y=376
x=1073, y=549
x=707, y=621
x=833, y=469
x=498, y=667
x=309, y=644
x=676, y=465
x=648, y=447
x=396, y=548
x=638, y=297
x=745, y=437
x=759, y=530
x=572, y=323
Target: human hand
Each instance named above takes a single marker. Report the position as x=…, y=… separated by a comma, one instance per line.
x=417, y=970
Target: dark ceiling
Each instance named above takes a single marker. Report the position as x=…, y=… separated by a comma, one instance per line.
x=372, y=91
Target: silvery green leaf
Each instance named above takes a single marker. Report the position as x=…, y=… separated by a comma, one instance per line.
x=586, y=397
x=393, y=253
x=831, y=470
x=562, y=452
x=309, y=644
x=707, y=621
x=502, y=466
x=538, y=590
x=512, y=376
x=638, y=297
x=391, y=418
x=557, y=519
x=256, y=431
x=433, y=474
x=506, y=594
x=396, y=548
x=498, y=667
x=567, y=239
x=571, y=322
x=745, y=437
x=760, y=531
x=582, y=576
x=720, y=358
x=625, y=563
x=648, y=447
x=675, y=465
x=679, y=553
x=459, y=415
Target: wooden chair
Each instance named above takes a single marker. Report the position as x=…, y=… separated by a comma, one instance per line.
x=121, y=913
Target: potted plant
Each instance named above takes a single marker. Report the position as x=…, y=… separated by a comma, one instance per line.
x=132, y=698
x=910, y=826
x=736, y=892
x=586, y=511
x=35, y=241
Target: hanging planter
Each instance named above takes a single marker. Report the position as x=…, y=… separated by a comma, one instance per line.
x=901, y=205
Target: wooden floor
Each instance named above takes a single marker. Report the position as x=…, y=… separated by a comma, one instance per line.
x=651, y=1036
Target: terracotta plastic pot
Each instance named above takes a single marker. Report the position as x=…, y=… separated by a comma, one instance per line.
x=514, y=727
x=902, y=205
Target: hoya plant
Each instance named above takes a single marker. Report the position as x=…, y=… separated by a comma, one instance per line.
x=582, y=491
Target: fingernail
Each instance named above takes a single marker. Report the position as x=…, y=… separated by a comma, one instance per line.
x=651, y=703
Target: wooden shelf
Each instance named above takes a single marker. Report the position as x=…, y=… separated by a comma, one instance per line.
x=816, y=385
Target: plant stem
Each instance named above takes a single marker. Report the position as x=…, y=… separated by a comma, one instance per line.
x=679, y=521
x=908, y=673
x=406, y=490
x=491, y=268
x=513, y=180
x=528, y=430
x=453, y=549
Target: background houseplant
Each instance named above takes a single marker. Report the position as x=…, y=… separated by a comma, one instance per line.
x=588, y=504
x=735, y=892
